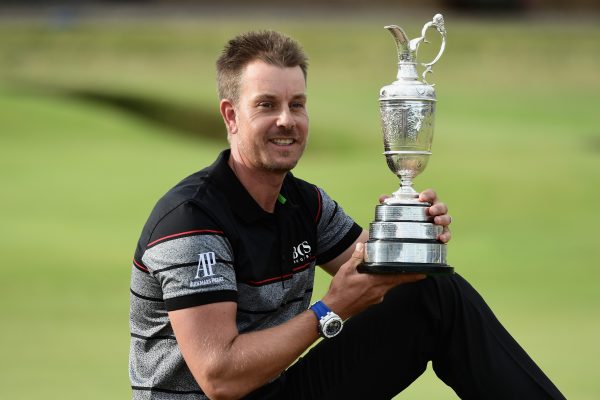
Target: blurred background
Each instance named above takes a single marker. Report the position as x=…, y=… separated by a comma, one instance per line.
x=106, y=105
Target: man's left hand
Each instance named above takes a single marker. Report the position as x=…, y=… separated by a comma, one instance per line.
x=439, y=212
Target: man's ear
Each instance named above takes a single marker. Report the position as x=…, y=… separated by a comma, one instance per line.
x=229, y=117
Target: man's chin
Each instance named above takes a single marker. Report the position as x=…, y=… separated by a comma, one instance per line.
x=282, y=166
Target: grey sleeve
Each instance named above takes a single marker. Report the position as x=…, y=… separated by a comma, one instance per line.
x=193, y=270
x=336, y=231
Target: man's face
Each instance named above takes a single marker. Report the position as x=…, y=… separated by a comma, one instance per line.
x=270, y=128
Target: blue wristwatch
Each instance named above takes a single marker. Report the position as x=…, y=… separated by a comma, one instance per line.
x=330, y=324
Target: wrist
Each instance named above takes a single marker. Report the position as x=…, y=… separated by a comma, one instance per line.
x=329, y=324
x=336, y=306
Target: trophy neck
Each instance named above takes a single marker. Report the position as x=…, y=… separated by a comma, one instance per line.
x=407, y=71
x=406, y=165
x=404, y=195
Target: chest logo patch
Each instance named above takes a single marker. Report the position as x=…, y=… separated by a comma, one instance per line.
x=301, y=252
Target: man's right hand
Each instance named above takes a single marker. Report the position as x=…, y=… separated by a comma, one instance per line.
x=228, y=364
x=351, y=292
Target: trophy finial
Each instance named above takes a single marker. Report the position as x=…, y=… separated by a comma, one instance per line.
x=407, y=49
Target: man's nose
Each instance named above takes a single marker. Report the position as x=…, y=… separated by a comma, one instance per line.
x=286, y=119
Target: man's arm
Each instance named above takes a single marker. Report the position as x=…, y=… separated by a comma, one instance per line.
x=229, y=365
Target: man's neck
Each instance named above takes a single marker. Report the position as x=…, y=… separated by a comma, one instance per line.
x=263, y=186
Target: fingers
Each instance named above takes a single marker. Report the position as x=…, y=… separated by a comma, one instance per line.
x=438, y=208
x=439, y=212
x=428, y=196
x=358, y=255
x=415, y=277
x=391, y=280
x=443, y=220
x=408, y=278
x=383, y=197
x=445, y=236
x=388, y=281
x=394, y=280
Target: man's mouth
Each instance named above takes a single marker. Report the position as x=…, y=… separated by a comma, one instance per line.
x=283, y=142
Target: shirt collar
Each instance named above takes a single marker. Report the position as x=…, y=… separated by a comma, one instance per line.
x=242, y=202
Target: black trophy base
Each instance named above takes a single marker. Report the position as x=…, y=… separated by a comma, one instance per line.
x=405, y=268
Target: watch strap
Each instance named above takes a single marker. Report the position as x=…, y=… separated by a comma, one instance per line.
x=320, y=309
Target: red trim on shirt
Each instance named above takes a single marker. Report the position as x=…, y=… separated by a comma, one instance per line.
x=285, y=276
x=140, y=266
x=183, y=234
x=318, y=216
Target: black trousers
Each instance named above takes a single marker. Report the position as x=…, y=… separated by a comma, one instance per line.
x=385, y=348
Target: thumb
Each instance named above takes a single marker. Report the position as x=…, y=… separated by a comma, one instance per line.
x=358, y=255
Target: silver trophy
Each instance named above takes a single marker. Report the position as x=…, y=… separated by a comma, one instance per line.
x=403, y=237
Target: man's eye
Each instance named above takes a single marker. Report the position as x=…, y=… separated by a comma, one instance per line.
x=297, y=105
x=265, y=104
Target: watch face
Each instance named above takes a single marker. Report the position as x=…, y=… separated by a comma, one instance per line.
x=332, y=327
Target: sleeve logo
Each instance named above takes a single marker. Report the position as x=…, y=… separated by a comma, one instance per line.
x=205, y=275
x=205, y=265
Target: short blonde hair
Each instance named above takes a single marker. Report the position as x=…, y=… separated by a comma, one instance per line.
x=269, y=46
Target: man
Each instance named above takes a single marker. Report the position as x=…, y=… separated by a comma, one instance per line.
x=223, y=273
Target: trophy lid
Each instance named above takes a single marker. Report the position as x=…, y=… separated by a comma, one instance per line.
x=407, y=85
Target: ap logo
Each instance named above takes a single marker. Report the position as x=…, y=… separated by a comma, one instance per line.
x=205, y=265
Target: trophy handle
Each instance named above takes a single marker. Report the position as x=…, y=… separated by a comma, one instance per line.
x=438, y=24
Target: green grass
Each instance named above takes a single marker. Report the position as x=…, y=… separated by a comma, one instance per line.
x=516, y=156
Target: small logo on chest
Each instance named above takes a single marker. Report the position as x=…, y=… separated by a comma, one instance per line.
x=301, y=252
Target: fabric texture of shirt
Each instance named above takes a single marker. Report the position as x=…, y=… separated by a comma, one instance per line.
x=208, y=241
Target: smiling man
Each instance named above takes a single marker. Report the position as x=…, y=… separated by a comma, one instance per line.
x=267, y=126
x=223, y=274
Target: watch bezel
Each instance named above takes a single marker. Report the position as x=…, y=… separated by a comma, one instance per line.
x=326, y=321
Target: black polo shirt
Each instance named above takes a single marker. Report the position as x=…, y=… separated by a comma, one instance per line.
x=207, y=241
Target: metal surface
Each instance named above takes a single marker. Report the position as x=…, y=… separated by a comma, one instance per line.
x=404, y=230
x=403, y=213
x=381, y=251
x=407, y=49
x=407, y=109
